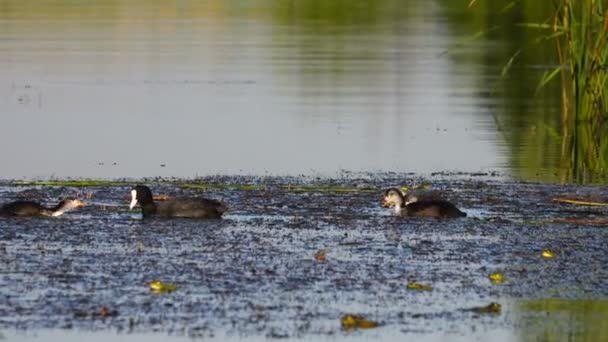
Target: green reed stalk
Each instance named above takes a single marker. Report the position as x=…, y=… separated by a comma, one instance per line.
x=583, y=54
x=580, y=29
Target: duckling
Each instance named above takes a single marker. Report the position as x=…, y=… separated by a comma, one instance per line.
x=30, y=208
x=405, y=205
x=201, y=208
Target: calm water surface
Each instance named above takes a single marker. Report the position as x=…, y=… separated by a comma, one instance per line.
x=146, y=88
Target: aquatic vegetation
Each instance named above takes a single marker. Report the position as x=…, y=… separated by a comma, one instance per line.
x=193, y=185
x=426, y=186
x=412, y=285
x=548, y=254
x=497, y=278
x=259, y=264
x=325, y=188
x=103, y=312
x=588, y=317
x=492, y=308
x=219, y=186
x=581, y=28
x=158, y=286
x=350, y=321
x=578, y=221
x=579, y=32
x=580, y=202
x=73, y=183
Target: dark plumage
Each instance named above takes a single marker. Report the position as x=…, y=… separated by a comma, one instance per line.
x=30, y=208
x=394, y=198
x=437, y=208
x=201, y=208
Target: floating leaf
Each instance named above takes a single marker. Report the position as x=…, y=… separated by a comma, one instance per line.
x=490, y=308
x=497, y=278
x=355, y=321
x=412, y=285
x=159, y=287
x=548, y=254
x=320, y=256
x=105, y=312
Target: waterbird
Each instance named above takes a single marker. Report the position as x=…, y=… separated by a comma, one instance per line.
x=406, y=205
x=201, y=208
x=31, y=208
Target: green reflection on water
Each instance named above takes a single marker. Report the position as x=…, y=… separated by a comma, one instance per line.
x=563, y=320
x=545, y=144
x=540, y=145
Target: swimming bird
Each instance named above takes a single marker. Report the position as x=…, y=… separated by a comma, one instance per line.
x=30, y=208
x=403, y=205
x=201, y=208
x=415, y=195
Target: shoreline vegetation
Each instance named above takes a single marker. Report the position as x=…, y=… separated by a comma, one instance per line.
x=579, y=31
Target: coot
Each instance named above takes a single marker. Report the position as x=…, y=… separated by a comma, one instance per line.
x=402, y=205
x=201, y=208
x=30, y=208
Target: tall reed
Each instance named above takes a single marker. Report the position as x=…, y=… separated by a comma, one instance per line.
x=581, y=30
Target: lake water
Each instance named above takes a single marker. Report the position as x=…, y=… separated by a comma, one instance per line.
x=254, y=274
x=150, y=88
x=145, y=88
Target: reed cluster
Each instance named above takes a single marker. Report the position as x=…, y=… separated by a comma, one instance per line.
x=581, y=30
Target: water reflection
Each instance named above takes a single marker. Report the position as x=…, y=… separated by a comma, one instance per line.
x=544, y=143
x=563, y=320
x=150, y=88
x=94, y=90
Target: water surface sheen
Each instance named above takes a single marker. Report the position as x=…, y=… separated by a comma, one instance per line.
x=150, y=88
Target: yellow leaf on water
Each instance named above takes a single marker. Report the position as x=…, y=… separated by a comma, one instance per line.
x=548, y=254
x=159, y=287
x=490, y=308
x=355, y=321
x=497, y=278
x=412, y=285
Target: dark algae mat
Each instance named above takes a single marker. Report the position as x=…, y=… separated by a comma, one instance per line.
x=309, y=257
